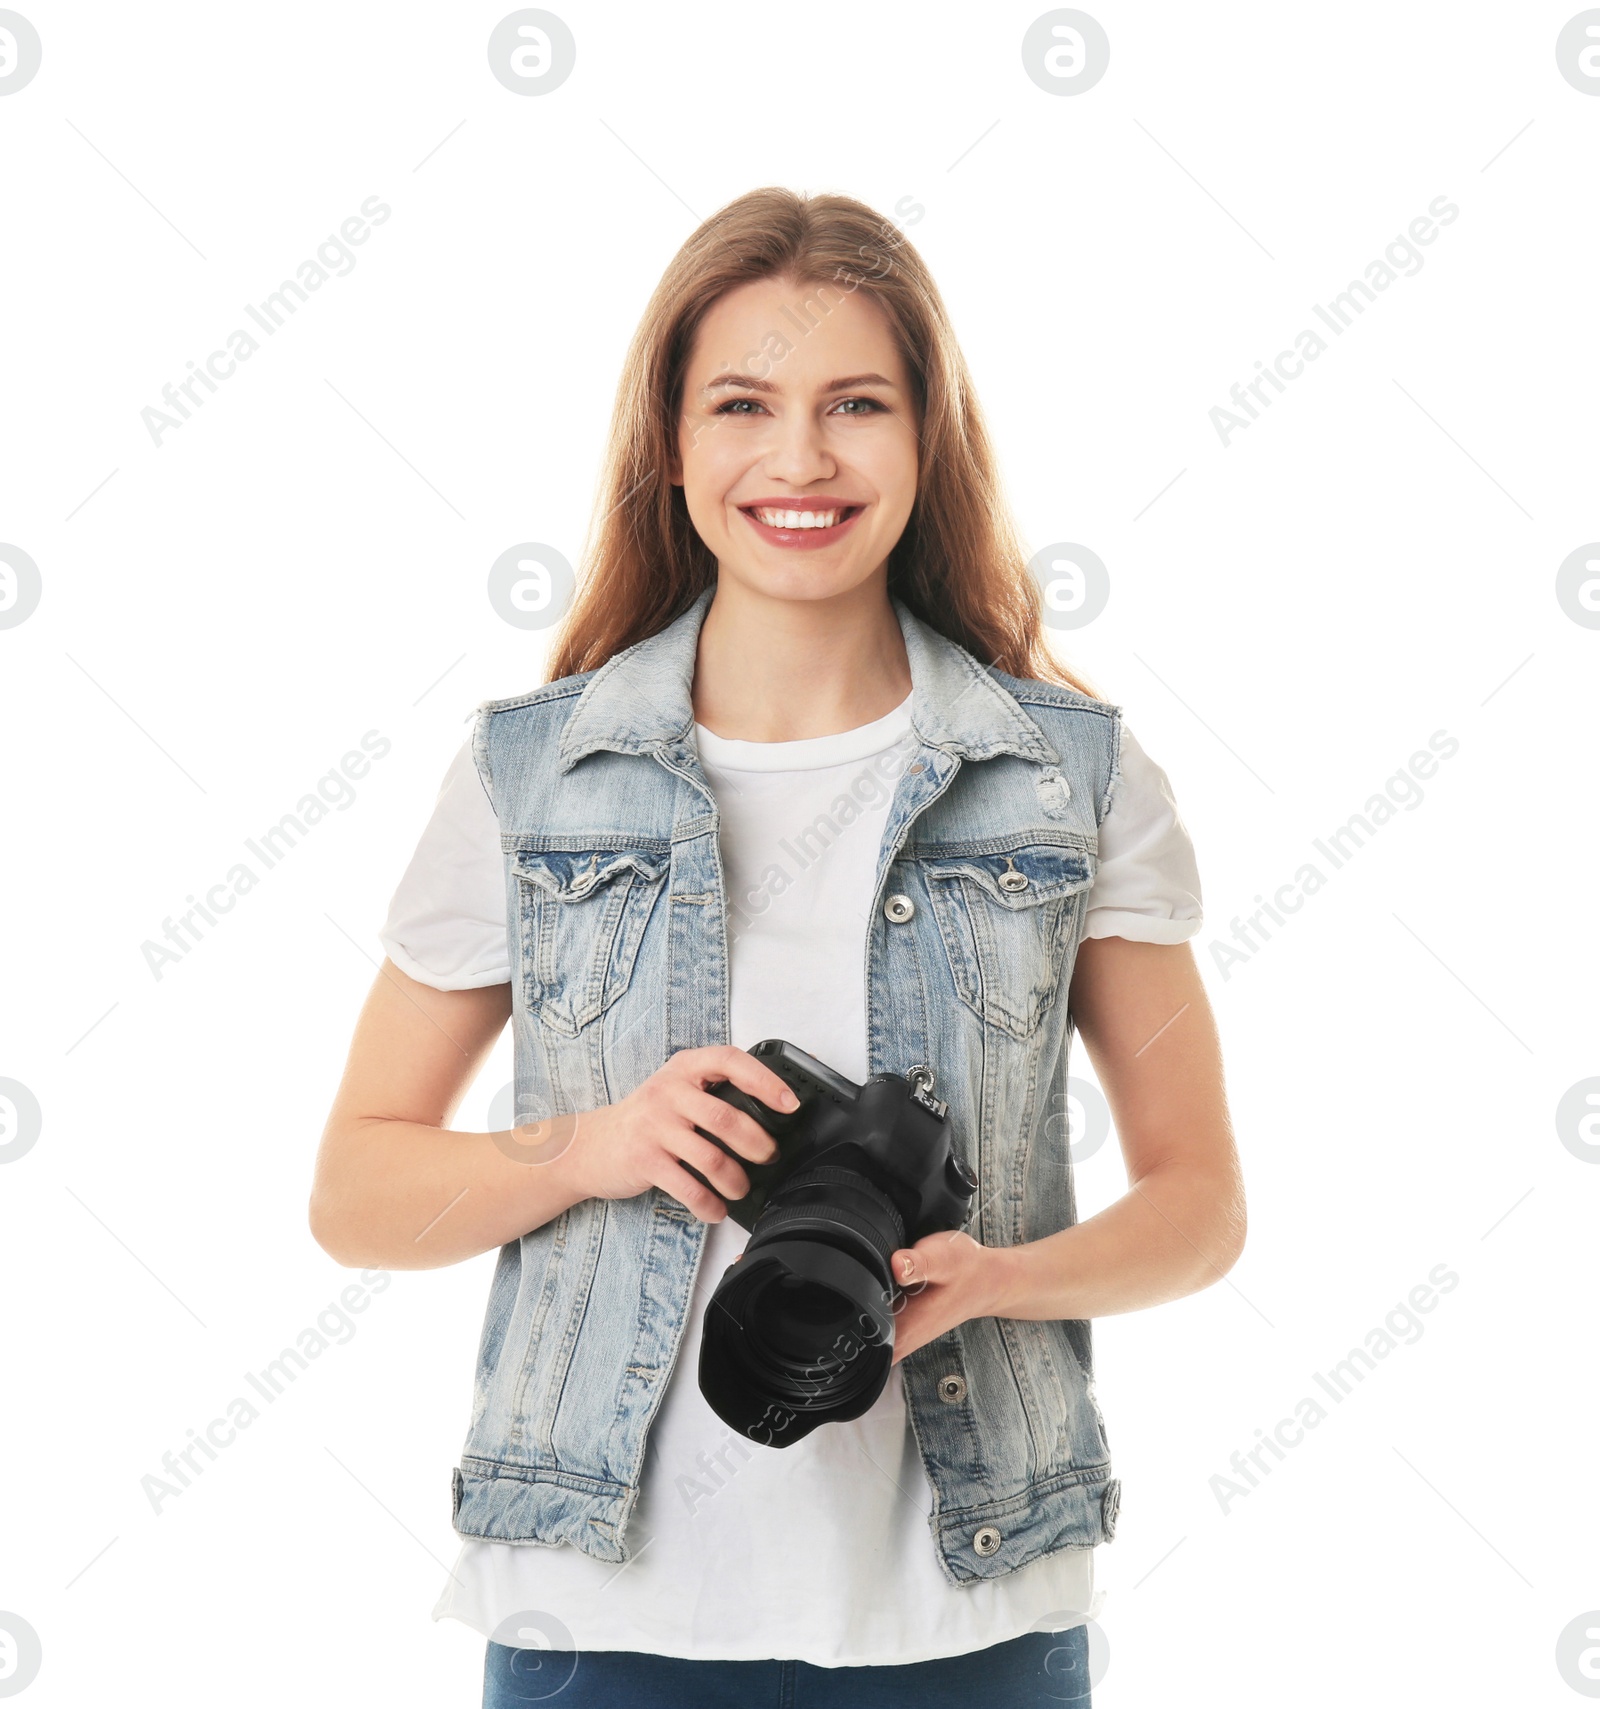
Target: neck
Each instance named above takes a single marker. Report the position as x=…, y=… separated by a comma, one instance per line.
x=780, y=670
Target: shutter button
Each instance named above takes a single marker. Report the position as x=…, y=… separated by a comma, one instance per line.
x=986, y=1541
x=899, y=908
x=952, y=1388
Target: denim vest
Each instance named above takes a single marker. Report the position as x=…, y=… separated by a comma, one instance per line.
x=618, y=943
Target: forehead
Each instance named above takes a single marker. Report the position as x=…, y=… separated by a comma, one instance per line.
x=794, y=335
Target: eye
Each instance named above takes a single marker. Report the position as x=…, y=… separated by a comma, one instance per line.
x=743, y=406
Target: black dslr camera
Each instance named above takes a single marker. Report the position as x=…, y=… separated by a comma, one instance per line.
x=800, y=1330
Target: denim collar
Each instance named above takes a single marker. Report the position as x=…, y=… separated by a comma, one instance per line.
x=639, y=700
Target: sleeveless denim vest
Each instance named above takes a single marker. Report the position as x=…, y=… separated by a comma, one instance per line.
x=617, y=923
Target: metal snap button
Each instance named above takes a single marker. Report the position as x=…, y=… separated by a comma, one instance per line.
x=986, y=1541
x=1011, y=879
x=952, y=1388
x=899, y=908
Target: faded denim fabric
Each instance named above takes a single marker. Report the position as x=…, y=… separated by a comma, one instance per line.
x=617, y=921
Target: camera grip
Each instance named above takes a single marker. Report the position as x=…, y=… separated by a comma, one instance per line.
x=763, y=1176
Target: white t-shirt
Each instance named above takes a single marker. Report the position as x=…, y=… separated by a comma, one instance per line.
x=821, y=1551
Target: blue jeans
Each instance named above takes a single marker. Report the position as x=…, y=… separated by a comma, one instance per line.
x=1039, y=1670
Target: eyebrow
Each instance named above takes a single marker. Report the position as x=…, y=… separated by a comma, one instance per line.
x=744, y=381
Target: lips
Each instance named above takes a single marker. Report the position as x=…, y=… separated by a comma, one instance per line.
x=800, y=515
x=801, y=524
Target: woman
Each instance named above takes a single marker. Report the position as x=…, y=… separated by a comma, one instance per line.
x=803, y=769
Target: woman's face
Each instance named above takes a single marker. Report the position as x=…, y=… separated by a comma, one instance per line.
x=797, y=448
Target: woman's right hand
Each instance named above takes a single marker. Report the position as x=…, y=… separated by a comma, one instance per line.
x=643, y=1141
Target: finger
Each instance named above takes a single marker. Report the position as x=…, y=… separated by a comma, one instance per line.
x=733, y=1127
x=920, y=1266
x=682, y=1186
x=748, y=1073
x=722, y=1171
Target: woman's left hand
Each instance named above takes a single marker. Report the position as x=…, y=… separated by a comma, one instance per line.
x=946, y=1278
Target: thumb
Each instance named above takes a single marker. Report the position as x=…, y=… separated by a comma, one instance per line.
x=920, y=1263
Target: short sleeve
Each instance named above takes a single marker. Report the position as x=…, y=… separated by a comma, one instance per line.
x=447, y=920
x=1147, y=885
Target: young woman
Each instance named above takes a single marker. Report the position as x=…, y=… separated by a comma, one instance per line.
x=802, y=769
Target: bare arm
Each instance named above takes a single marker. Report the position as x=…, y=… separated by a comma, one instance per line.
x=1142, y=1012
x=397, y=1189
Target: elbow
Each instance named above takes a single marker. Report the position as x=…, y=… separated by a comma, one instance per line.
x=334, y=1230
x=1205, y=1212
x=1233, y=1231
x=334, y=1210
x=325, y=1228
x=1216, y=1226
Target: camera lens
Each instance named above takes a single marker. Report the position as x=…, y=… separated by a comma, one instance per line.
x=799, y=1331
x=796, y=1319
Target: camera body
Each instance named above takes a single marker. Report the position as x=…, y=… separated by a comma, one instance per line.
x=800, y=1330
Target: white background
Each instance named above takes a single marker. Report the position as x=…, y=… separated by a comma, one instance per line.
x=305, y=560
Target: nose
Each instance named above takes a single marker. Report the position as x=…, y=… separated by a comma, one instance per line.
x=797, y=453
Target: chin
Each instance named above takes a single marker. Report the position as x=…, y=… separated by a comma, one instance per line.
x=797, y=581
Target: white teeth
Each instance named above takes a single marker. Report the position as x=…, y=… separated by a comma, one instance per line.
x=799, y=518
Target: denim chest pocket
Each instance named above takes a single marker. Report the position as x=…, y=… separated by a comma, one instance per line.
x=582, y=915
x=1006, y=916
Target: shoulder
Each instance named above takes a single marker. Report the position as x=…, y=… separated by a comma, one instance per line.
x=1084, y=731
x=1137, y=793
x=515, y=737
x=524, y=718
x=556, y=696
x=1033, y=692
x=1148, y=884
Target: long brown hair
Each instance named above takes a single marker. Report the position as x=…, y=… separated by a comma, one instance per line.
x=959, y=565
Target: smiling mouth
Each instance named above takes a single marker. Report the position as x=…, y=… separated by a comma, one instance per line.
x=798, y=520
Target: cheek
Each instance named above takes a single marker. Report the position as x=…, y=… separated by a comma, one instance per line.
x=703, y=501
x=710, y=474
x=893, y=471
